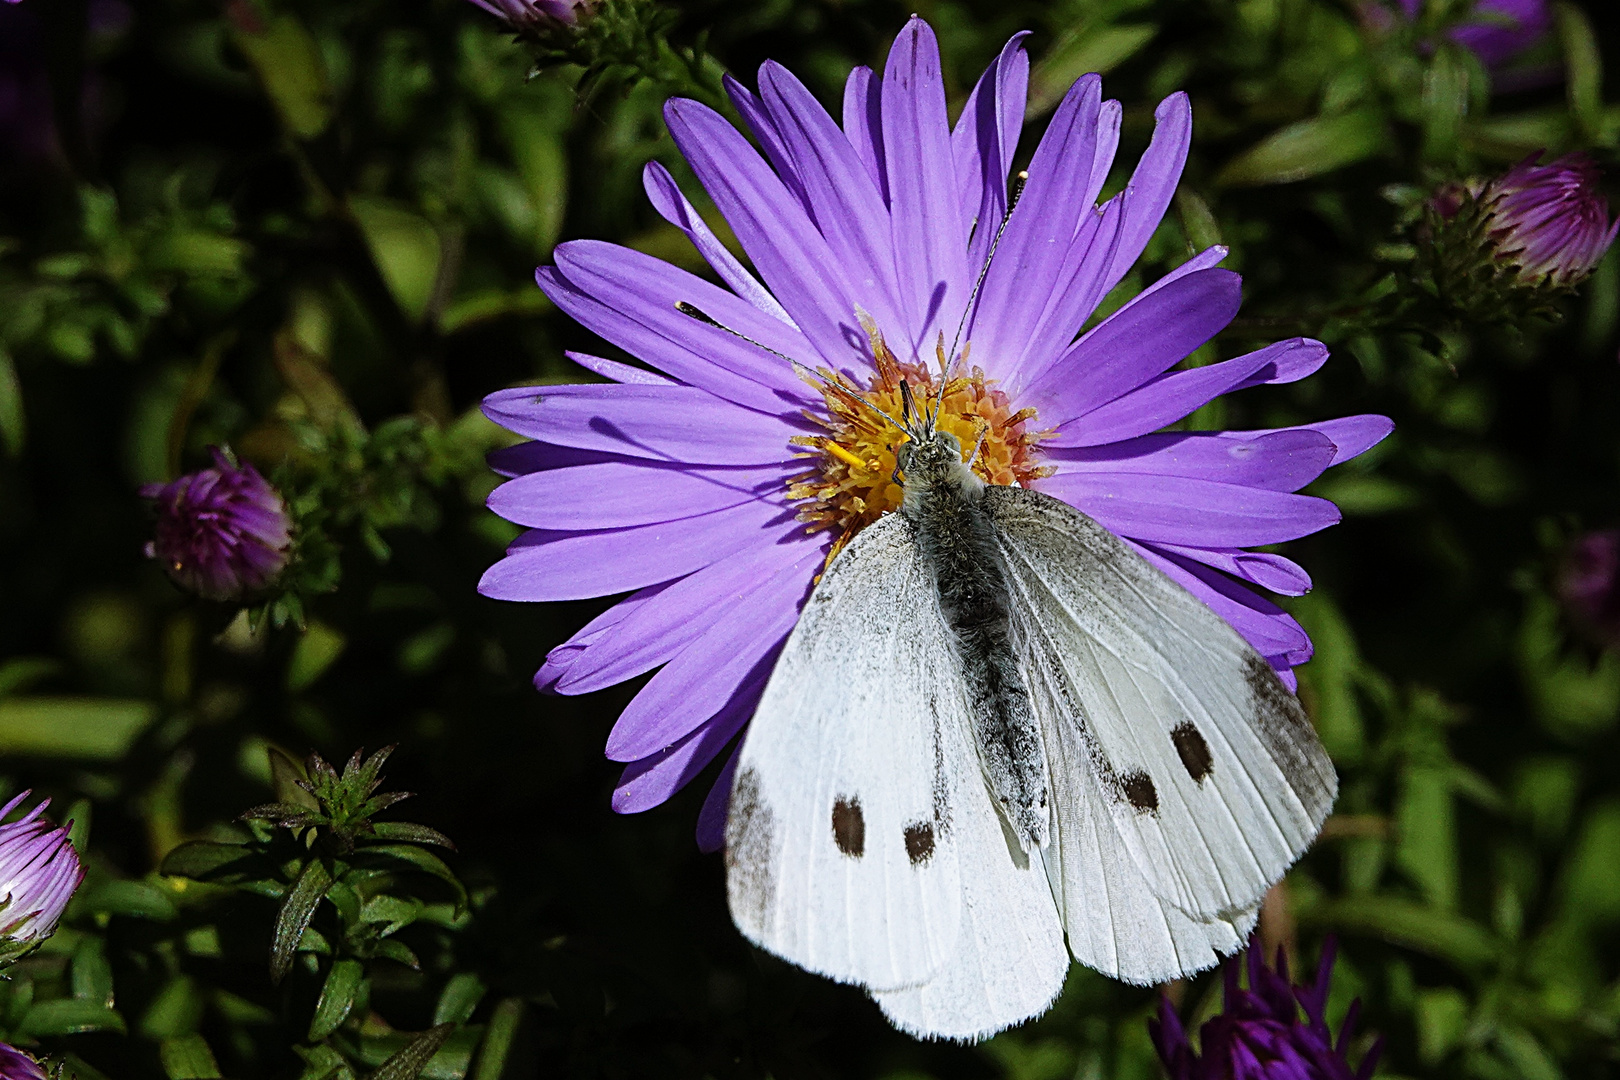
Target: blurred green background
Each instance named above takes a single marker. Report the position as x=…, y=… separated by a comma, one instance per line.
x=308, y=229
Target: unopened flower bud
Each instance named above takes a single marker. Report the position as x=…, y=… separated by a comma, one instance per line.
x=523, y=15
x=38, y=872
x=223, y=533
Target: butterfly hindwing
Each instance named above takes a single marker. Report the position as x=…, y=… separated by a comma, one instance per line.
x=1211, y=774
x=842, y=838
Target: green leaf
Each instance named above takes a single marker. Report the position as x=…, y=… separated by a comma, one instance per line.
x=394, y=911
x=406, y=248
x=459, y=998
x=69, y=1016
x=205, y=860
x=410, y=1061
x=135, y=899
x=1445, y=102
x=498, y=1039
x=317, y=649
x=1426, y=831
x=92, y=974
x=396, y=950
x=415, y=834
x=338, y=994
x=1309, y=148
x=294, y=915
x=13, y=428
x=176, y=1011
x=1583, y=68
x=288, y=63
x=1449, y=937
x=1442, y=1020
x=94, y=729
x=1591, y=885
x=415, y=857
x=187, y=1057
x=1096, y=47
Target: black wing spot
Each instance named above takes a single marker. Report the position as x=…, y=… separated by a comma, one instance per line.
x=920, y=842
x=849, y=826
x=1193, y=749
x=1140, y=792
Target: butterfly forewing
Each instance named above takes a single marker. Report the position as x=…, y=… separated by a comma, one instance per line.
x=1206, y=766
x=842, y=839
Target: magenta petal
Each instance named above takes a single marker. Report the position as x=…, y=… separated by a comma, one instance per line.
x=679, y=424
x=614, y=371
x=931, y=247
x=772, y=227
x=697, y=683
x=661, y=624
x=863, y=124
x=648, y=782
x=1153, y=184
x=622, y=494
x=1184, y=510
x=1282, y=460
x=1270, y=629
x=986, y=139
x=674, y=207
x=1136, y=343
x=711, y=823
x=577, y=566
x=1160, y=401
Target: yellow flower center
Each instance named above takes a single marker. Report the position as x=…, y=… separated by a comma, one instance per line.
x=852, y=481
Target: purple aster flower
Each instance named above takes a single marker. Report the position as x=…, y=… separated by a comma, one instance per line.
x=38, y=872
x=714, y=489
x=535, y=14
x=1259, y=1036
x=1549, y=221
x=1589, y=584
x=14, y=1064
x=222, y=533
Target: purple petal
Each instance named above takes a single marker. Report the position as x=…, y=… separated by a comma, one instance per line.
x=646, y=783
x=985, y=140
x=1304, y=358
x=679, y=424
x=662, y=622
x=531, y=457
x=1153, y=184
x=846, y=206
x=1134, y=344
x=1282, y=460
x=1270, y=629
x=575, y=566
x=863, y=125
x=1037, y=242
x=1077, y=293
x=1161, y=401
x=711, y=823
x=752, y=110
x=772, y=227
x=1354, y=435
x=696, y=684
x=931, y=246
x=647, y=290
x=614, y=371
x=1271, y=572
x=560, y=661
x=674, y=207
x=678, y=356
x=623, y=494
x=1186, y=510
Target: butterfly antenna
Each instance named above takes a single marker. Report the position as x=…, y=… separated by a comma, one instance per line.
x=692, y=311
x=984, y=271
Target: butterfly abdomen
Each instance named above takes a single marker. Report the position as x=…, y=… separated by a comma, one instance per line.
x=956, y=539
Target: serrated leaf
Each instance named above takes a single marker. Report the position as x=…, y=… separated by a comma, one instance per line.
x=338, y=994
x=410, y=833
x=69, y=1016
x=409, y=1062
x=1308, y=148
x=292, y=919
x=187, y=1057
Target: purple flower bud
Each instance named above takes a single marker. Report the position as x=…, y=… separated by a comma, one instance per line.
x=537, y=14
x=38, y=872
x=1260, y=1036
x=1550, y=221
x=1589, y=584
x=14, y=1064
x=1496, y=31
x=222, y=533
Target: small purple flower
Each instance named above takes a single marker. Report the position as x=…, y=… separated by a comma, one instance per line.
x=38, y=872
x=14, y=1064
x=222, y=533
x=715, y=488
x=536, y=14
x=1589, y=584
x=1259, y=1036
x=1550, y=221
x=1497, y=31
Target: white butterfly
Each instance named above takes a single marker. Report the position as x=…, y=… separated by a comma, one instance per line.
x=995, y=727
